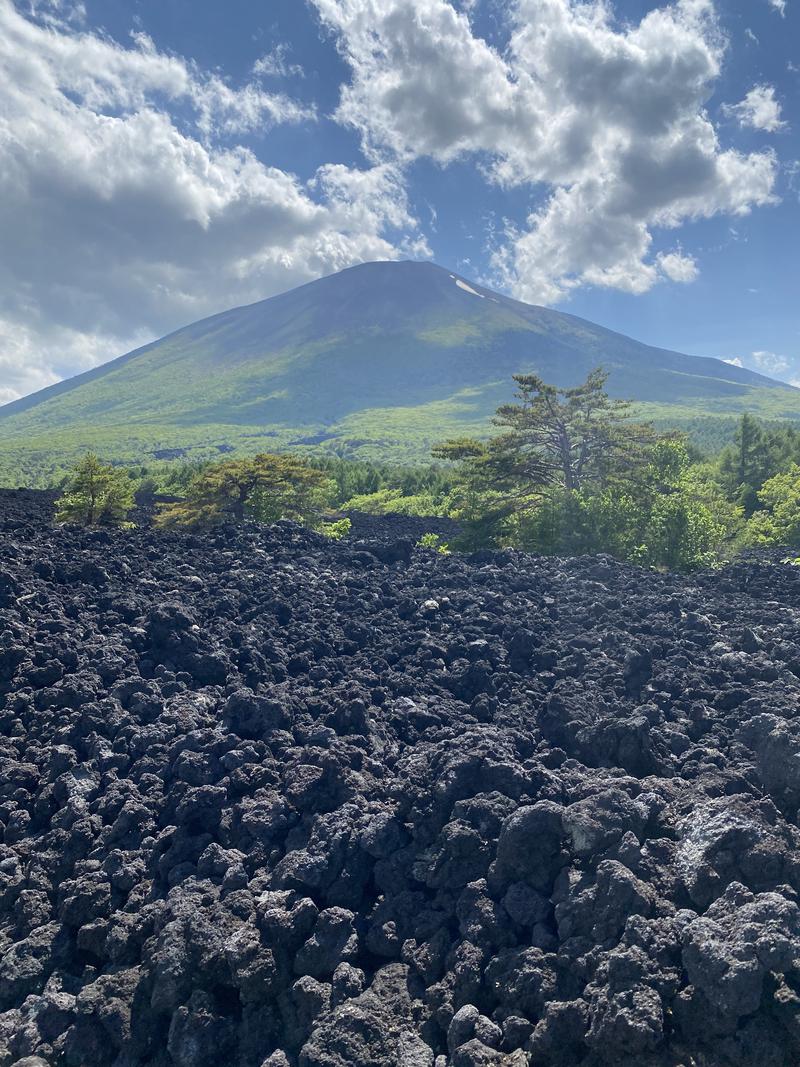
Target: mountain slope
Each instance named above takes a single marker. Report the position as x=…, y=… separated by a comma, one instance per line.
x=383, y=358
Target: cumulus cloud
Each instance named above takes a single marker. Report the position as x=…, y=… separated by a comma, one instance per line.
x=107, y=78
x=121, y=220
x=735, y=362
x=422, y=83
x=608, y=119
x=771, y=363
x=779, y=6
x=759, y=110
x=677, y=266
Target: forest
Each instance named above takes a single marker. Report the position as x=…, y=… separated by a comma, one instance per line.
x=568, y=472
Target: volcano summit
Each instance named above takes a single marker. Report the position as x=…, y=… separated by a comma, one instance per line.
x=380, y=359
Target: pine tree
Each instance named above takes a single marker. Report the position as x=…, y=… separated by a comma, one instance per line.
x=554, y=440
x=265, y=488
x=572, y=472
x=95, y=493
x=747, y=463
x=572, y=438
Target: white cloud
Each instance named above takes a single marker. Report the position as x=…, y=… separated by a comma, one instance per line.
x=22, y=369
x=234, y=111
x=34, y=357
x=779, y=6
x=771, y=363
x=678, y=267
x=64, y=12
x=105, y=77
x=422, y=83
x=759, y=110
x=276, y=64
x=122, y=221
x=735, y=362
x=607, y=119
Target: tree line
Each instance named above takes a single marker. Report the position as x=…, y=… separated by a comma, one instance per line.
x=567, y=471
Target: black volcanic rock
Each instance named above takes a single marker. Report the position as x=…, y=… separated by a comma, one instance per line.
x=273, y=801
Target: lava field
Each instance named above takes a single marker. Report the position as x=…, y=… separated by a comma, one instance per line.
x=267, y=800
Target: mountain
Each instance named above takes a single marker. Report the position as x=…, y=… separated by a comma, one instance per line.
x=380, y=359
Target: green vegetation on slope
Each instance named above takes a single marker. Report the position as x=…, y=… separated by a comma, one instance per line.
x=569, y=472
x=377, y=362
x=400, y=435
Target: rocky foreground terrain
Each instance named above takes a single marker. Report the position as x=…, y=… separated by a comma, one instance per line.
x=271, y=800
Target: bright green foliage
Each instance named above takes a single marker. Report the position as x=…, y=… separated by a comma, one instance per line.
x=759, y=452
x=381, y=502
x=698, y=480
x=779, y=521
x=676, y=526
x=433, y=542
x=393, y=502
x=383, y=489
x=95, y=493
x=635, y=494
x=579, y=522
x=178, y=476
x=265, y=488
x=336, y=530
x=481, y=510
x=680, y=533
x=676, y=531
x=362, y=478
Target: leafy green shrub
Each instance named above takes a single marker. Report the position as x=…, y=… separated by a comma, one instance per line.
x=680, y=534
x=393, y=502
x=433, y=542
x=378, y=503
x=779, y=522
x=336, y=530
x=95, y=493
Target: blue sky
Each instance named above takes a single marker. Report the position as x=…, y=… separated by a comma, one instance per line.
x=635, y=163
